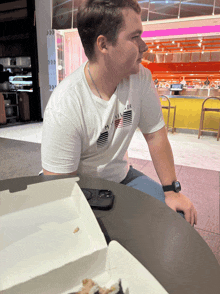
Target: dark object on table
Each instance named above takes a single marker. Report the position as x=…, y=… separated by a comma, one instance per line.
x=99, y=199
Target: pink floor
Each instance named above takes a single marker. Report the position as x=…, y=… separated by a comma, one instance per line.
x=201, y=186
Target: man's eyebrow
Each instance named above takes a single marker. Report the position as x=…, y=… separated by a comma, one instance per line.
x=140, y=32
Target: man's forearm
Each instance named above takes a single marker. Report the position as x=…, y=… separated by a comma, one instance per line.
x=162, y=156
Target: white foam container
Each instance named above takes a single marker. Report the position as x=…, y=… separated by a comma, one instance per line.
x=40, y=253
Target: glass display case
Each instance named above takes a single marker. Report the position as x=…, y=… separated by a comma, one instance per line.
x=15, y=86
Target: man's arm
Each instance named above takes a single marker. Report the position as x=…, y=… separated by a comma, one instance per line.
x=47, y=173
x=60, y=145
x=162, y=157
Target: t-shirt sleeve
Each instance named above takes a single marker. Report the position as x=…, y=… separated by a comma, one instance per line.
x=151, y=116
x=61, y=143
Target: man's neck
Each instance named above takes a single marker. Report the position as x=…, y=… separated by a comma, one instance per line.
x=102, y=81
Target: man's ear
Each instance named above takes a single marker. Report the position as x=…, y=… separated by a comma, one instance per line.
x=102, y=44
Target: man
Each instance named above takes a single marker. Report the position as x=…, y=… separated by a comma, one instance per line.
x=93, y=113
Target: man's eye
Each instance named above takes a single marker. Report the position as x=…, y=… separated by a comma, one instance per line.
x=135, y=37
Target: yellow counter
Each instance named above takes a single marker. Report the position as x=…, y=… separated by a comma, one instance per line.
x=188, y=112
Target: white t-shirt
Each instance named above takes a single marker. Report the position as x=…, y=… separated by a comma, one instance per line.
x=85, y=133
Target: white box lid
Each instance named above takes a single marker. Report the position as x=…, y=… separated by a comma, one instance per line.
x=37, y=230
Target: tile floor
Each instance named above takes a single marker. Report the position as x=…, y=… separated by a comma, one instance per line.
x=197, y=166
x=188, y=150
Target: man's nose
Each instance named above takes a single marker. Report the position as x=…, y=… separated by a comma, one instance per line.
x=143, y=47
x=146, y=48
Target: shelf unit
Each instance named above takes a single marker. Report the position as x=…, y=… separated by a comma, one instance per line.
x=14, y=105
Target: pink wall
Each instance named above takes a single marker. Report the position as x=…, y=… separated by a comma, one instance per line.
x=74, y=52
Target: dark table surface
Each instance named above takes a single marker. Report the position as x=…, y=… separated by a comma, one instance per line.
x=157, y=236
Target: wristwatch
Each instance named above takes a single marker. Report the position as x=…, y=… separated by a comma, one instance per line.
x=176, y=187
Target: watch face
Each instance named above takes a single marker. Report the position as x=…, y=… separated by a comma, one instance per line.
x=177, y=186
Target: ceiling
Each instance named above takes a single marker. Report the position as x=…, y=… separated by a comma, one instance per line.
x=181, y=45
x=13, y=10
x=190, y=22
x=189, y=43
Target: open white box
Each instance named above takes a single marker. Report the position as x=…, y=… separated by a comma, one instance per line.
x=41, y=253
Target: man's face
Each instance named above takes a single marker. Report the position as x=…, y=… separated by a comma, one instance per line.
x=125, y=56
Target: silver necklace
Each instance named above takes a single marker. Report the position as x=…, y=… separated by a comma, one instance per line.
x=94, y=83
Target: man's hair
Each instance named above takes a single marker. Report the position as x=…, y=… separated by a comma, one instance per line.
x=101, y=17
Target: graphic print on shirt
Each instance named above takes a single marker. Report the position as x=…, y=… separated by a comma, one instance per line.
x=121, y=120
x=102, y=140
x=125, y=120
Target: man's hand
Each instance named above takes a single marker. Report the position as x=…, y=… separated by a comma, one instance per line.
x=179, y=202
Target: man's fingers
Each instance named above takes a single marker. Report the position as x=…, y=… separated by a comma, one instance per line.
x=192, y=216
x=188, y=216
x=195, y=217
x=185, y=205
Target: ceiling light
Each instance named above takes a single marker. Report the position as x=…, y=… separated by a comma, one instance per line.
x=173, y=42
x=158, y=46
x=181, y=49
x=151, y=50
x=200, y=44
x=202, y=52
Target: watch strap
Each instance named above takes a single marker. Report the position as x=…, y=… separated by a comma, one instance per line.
x=176, y=187
x=168, y=188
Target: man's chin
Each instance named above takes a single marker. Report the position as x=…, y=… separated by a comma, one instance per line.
x=135, y=70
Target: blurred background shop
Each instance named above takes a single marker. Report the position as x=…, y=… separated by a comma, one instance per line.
x=19, y=78
x=187, y=70
x=40, y=46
